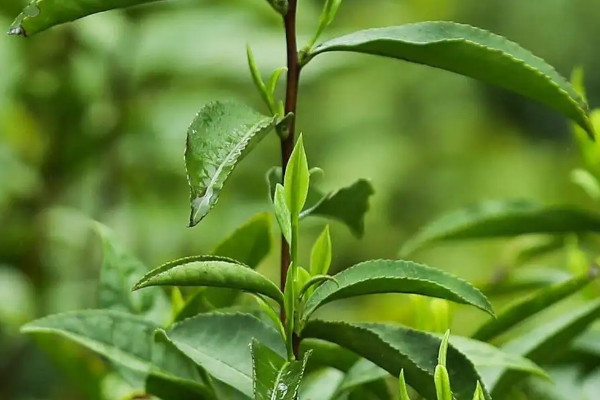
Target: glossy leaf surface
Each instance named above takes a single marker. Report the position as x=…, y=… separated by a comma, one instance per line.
x=503, y=219
x=212, y=271
x=296, y=179
x=392, y=276
x=40, y=15
x=275, y=378
x=219, y=137
x=220, y=343
x=472, y=52
x=533, y=304
x=397, y=348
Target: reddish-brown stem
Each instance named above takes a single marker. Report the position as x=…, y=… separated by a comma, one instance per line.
x=291, y=99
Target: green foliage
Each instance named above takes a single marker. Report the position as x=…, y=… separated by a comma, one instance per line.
x=219, y=348
x=471, y=52
x=220, y=136
x=387, y=276
x=503, y=219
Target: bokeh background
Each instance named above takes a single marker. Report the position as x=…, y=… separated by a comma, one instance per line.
x=93, y=117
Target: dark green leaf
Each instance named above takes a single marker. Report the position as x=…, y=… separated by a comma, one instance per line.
x=545, y=342
x=503, y=219
x=40, y=15
x=472, y=52
x=395, y=348
x=393, y=276
x=347, y=205
x=510, y=282
x=220, y=343
x=362, y=372
x=119, y=271
x=274, y=377
x=533, y=304
x=212, y=271
x=220, y=136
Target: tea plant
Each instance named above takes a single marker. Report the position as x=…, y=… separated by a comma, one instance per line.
x=202, y=344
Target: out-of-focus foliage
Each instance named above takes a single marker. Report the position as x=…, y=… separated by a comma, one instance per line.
x=93, y=117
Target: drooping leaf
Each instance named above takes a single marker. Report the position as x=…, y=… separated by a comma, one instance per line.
x=220, y=136
x=394, y=276
x=248, y=244
x=533, y=304
x=275, y=378
x=347, y=205
x=40, y=15
x=545, y=342
x=396, y=348
x=211, y=271
x=496, y=219
x=472, y=52
x=296, y=179
x=119, y=271
x=128, y=341
x=220, y=343
x=320, y=255
x=485, y=356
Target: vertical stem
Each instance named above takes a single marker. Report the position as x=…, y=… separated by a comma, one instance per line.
x=291, y=97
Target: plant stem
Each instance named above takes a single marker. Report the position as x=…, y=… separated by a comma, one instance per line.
x=287, y=141
x=291, y=97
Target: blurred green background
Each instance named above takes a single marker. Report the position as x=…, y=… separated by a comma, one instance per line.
x=93, y=117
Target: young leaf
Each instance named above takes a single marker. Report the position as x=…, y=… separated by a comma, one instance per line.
x=220, y=343
x=258, y=82
x=320, y=255
x=503, y=219
x=220, y=136
x=296, y=179
x=119, y=271
x=282, y=213
x=402, y=390
x=442, y=383
x=271, y=314
x=479, y=395
x=212, y=271
x=443, y=351
x=274, y=377
x=289, y=306
x=315, y=280
x=472, y=52
x=544, y=342
x=347, y=205
x=272, y=85
x=396, y=348
x=533, y=304
x=250, y=243
x=391, y=276
x=40, y=15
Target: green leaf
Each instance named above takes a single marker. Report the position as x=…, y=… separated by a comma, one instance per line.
x=586, y=181
x=282, y=213
x=471, y=52
x=275, y=378
x=250, y=243
x=220, y=343
x=289, y=306
x=484, y=356
x=525, y=279
x=119, y=271
x=391, y=276
x=402, y=390
x=220, y=136
x=543, y=343
x=187, y=381
x=396, y=348
x=320, y=384
x=257, y=79
x=296, y=179
x=320, y=255
x=442, y=383
x=347, y=205
x=315, y=280
x=533, y=304
x=479, y=395
x=496, y=219
x=361, y=373
x=128, y=341
x=211, y=271
x=40, y=15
